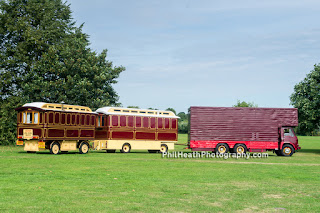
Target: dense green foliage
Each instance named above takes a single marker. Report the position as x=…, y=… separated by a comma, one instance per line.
x=245, y=104
x=144, y=182
x=306, y=98
x=45, y=57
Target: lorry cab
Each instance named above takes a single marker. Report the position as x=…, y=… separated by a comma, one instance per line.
x=289, y=141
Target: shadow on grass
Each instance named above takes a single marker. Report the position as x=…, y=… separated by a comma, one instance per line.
x=315, y=151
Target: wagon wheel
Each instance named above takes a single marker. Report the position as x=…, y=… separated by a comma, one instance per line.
x=84, y=148
x=163, y=148
x=55, y=148
x=126, y=148
x=240, y=149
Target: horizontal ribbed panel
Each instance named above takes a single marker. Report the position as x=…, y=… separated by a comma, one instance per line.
x=235, y=124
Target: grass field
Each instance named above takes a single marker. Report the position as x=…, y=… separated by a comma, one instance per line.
x=139, y=181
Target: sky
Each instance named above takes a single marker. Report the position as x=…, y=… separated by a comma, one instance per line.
x=183, y=53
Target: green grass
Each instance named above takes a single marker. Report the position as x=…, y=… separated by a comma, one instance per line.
x=139, y=181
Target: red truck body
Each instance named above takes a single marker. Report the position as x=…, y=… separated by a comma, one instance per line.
x=256, y=129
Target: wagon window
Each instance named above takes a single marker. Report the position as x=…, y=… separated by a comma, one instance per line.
x=36, y=117
x=166, y=123
x=160, y=123
x=174, y=123
x=130, y=121
x=114, y=120
x=82, y=119
x=51, y=117
x=145, y=122
x=153, y=123
x=92, y=120
x=78, y=119
x=88, y=120
x=63, y=118
x=98, y=121
x=29, y=117
x=56, y=119
x=103, y=120
x=24, y=117
x=123, y=121
x=73, y=118
x=138, y=121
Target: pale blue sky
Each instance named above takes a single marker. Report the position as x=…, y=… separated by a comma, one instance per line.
x=204, y=53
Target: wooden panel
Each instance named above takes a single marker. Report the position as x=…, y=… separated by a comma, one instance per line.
x=167, y=136
x=122, y=135
x=55, y=133
x=73, y=133
x=145, y=135
x=87, y=133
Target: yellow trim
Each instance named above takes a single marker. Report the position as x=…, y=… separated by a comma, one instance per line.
x=66, y=107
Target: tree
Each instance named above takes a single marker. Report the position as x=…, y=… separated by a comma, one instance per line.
x=45, y=57
x=245, y=104
x=172, y=110
x=136, y=107
x=306, y=97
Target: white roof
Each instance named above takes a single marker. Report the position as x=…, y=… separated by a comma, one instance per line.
x=41, y=106
x=34, y=104
x=106, y=111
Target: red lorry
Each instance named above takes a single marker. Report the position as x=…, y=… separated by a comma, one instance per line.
x=242, y=129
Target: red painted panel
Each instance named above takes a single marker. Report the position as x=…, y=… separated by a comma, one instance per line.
x=72, y=133
x=153, y=123
x=68, y=118
x=145, y=122
x=167, y=136
x=51, y=117
x=57, y=118
x=92, y=120
x=122, y=135
x=115, y=120
x=86, y=133
x=123, y=121
x=88, y=120
x=160, y=125
x=145, y=135
x=138, y=121
x=63, y=118
x=174, y=123
x=130, y=121
x=78, y=120
x=82, y=119
x=73, y=119
x=101, y=134
x=55, y=133
x=166, y=123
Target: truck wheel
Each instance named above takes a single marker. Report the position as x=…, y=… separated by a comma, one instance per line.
x=163, y=148
x=287, y=150
x=126, y=148
x=240, y=149
x=111, y=151
x=222, y=148
x=84, y=148
x=55, y=148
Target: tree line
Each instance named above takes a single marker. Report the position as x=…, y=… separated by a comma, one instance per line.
x=45, y=57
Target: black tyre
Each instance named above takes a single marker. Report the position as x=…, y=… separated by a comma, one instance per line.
x=84, y=148
x=222, y=148
x=126, y=148
x=55, y=148
x=163, y=148
x=240, y=149
x=111, y=151
x=287, y=150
